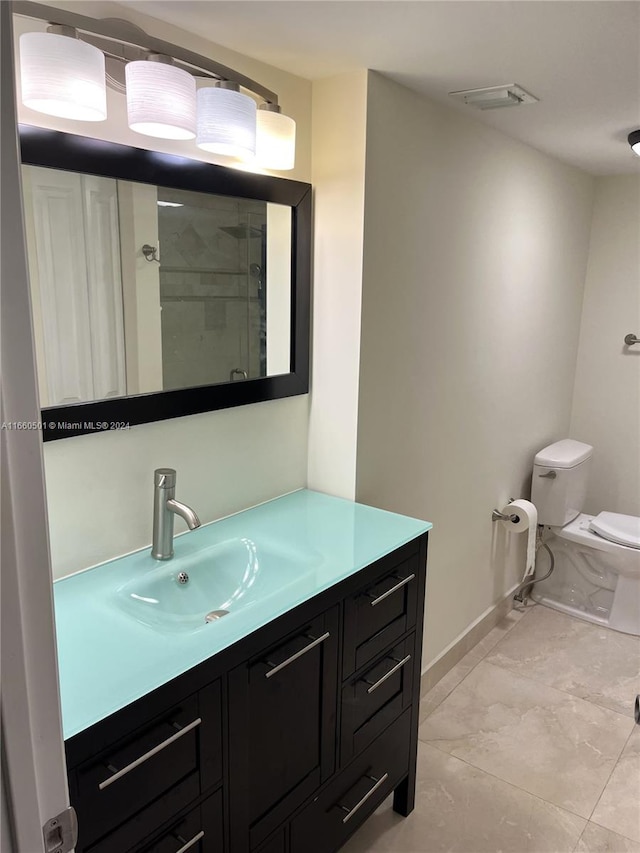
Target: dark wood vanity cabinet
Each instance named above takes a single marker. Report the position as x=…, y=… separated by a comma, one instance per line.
x=283, y=743
x=282, y=727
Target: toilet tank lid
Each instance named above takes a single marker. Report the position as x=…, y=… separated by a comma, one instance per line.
x=564, y=454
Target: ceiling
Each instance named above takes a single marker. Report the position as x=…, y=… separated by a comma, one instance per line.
x=581, y=58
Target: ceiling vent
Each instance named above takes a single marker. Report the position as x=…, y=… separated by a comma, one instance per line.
x=495, y=97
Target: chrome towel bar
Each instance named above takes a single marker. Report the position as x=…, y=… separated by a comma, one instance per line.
x=631, y=339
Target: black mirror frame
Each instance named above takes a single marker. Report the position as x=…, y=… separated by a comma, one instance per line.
x=71, y=153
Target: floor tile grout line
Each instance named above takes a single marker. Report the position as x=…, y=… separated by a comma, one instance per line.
x=507, y=669
x=584, y=829
x=600, y=826
x=538, y=681
x=434, y=743
x=614, y=831
x=464, y=677
x=609, y=779
x=566, y=692
x=511, y=784
x=483, y=657
x=455, y=687
x=558, y=689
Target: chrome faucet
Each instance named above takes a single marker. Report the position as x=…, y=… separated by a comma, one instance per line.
x=165, y=506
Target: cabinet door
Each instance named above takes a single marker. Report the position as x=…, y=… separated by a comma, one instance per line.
x=282, y=720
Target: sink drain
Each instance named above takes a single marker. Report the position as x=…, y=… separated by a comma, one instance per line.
x=215, y=615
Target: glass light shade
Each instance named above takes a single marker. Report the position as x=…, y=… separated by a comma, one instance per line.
x=276, y=141
x=161, y=100
x=634, y=141
x=226, y=122
x=62, y=76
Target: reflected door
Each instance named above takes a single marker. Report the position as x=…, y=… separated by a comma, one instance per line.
x=76, y=286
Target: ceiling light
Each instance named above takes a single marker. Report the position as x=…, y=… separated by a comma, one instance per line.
x=634, y=141
x=495, y=97
x=226, y=120
x=276, y=139
x=169, y=204
x=62, y=76
x=161, y=98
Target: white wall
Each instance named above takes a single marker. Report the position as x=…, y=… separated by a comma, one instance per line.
x=475, y=252
x=339, y=125
x=606, y=401
x=99, y=487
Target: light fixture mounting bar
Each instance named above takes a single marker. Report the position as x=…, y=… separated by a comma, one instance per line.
x=129, y=34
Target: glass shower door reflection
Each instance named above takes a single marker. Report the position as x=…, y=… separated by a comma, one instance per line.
x=212, y=288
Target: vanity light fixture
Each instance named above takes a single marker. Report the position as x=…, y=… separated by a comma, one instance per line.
x=62, y=75
x=226, y=120
x=276, y=139
x=66, y=70
x=161, y=99
x=634, y=141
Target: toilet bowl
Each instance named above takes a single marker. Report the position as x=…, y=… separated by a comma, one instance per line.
x=597, y=557
x=594, y=578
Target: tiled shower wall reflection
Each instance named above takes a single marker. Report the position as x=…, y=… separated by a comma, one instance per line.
x=212, y=288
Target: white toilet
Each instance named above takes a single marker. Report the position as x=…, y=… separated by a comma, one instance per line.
x=597, y=558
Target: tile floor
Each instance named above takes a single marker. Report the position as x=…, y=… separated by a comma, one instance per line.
x=528, y=745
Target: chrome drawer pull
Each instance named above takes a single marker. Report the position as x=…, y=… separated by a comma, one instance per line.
x=188, y=844
x=392, y=590
x=393, y=669
x=156, y=749
x=350, y=813
x=297, y=655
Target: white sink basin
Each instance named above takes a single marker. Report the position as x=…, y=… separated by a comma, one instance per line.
x=226, y=578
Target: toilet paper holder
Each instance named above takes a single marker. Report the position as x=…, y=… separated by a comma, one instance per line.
x=496, y=515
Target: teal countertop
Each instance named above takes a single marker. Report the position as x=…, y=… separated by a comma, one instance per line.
x=108, y=659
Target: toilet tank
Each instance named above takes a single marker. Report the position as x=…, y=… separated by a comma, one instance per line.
x=559, y=483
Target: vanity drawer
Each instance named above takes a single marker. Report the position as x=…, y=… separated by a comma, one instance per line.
x=278, y=844
x=201, y=828
x=162, y=759
x=380, y=613
x=375, y=696
x=343, y=805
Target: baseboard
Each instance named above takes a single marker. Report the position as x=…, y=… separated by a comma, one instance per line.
x=465, y=641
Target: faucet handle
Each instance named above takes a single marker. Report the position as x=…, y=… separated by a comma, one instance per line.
x=164, y=478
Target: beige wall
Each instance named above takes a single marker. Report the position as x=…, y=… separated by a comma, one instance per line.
x=99, y=487
x=606, y=401
x=475, y=252
x=339, y=125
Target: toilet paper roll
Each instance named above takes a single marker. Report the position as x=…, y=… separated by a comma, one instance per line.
x=527, y=521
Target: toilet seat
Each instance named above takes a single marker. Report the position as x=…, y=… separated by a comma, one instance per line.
x=622, y=529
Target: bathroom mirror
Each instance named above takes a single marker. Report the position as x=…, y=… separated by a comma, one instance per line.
x=160, y=286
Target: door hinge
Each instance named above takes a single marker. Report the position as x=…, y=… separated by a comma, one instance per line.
x=60, y=833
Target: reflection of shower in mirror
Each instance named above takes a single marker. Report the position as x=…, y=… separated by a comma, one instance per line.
x=134, y=320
